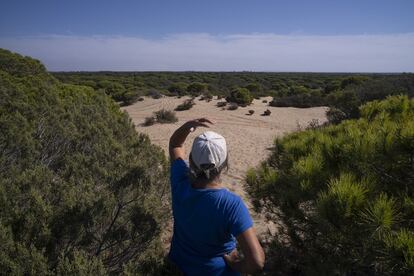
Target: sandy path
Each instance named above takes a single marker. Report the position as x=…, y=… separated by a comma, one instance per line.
x=248, y=137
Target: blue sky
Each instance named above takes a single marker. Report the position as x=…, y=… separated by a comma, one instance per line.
x=258, y=35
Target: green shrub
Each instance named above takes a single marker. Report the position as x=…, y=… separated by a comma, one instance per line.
x=186, y=105
x=206, y=97
x=254, y=88
x=344, y=193
x=81, y=192
x=113, y=89
x=179, y=89
x=299, y=100
x=155, y=94
x=335, y=115
x=241, y=96
x=196, y=88
x=165, y=116
x=267, y=112
x=131, y=97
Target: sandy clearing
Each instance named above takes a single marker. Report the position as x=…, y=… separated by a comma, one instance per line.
x=248, y=137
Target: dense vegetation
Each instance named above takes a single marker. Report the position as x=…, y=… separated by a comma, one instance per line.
x=344, y=92
x=344, y=193
x=81, y=193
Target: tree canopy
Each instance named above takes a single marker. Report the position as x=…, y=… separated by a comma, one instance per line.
x=344, y=193
x=80, y=191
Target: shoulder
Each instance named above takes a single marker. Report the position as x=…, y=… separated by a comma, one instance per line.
x=231, y=199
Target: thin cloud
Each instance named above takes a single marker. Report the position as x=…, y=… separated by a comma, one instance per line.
x=205, y=52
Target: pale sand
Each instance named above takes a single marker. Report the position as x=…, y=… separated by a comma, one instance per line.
x=248, y=137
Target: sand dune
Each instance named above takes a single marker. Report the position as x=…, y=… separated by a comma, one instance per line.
x=248, y=137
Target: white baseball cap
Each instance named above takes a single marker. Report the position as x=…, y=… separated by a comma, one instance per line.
x=209, y=148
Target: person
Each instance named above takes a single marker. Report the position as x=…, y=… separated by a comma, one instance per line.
x=207, y=217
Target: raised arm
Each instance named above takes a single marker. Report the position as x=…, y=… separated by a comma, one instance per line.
x=254, y=257
x=176, y=146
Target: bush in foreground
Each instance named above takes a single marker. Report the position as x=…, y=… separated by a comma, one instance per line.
x=80, y=191
x=345, y=194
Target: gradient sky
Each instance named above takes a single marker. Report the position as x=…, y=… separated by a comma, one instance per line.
x=257, y=35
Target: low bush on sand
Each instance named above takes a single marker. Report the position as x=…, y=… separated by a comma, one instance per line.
x=165, y=116
x=149, y=121
x=233, y=106
x=267, y=112
x=186, y=105
x=155, y=94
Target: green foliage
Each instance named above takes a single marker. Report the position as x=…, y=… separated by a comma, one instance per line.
x=20, y=66
x=155, y=94
x=401, y=246
x=113, y=89
x=186, y=105
x=254, y=88
x=130, y=97
x=80, y=191
x=302, y=100
x=353, y=80
x=342, y=200
x=79, y=263
x=149, y=121
x=381, y=215
x=288, y=89
x=344, y=193
x=164, y=116
x=179, y=88
x=241, y=96
x=347, y=102
x=196, y=88
x=335, y=115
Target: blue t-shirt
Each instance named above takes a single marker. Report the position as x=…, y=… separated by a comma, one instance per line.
x=206, y=222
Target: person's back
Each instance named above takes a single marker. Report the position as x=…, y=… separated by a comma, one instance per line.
x=208, y=217
x=206, y=222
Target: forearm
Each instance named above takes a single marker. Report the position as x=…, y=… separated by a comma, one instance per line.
x=176, y=146
x=243, y=266
x=179, y=136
